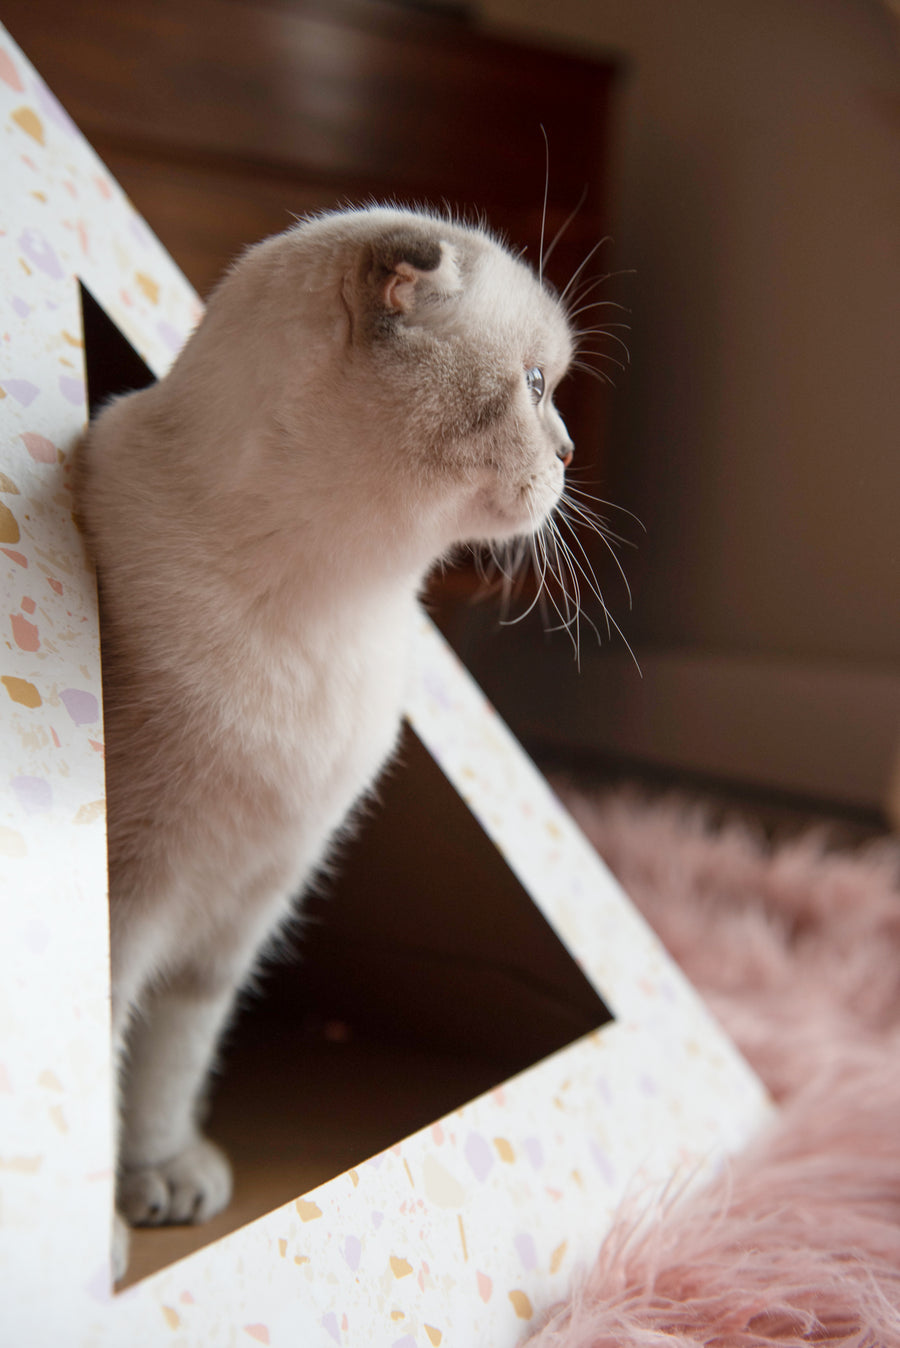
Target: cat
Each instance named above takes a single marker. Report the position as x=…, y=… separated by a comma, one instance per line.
x=365, y=391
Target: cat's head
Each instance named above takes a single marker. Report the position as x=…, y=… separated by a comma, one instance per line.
x=424, y=354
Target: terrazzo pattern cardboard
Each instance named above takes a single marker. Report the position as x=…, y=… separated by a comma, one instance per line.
x=455, y=1236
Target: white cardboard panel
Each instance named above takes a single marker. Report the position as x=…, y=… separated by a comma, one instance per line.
x=455, y=1236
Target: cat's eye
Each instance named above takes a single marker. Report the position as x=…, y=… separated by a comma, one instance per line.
x=534, y=378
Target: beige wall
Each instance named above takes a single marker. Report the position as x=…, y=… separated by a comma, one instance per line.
x=758, y=431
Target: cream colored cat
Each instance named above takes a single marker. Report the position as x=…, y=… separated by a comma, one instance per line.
x=365, y=391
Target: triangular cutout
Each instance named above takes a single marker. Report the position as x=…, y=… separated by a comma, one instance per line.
x=425, y=975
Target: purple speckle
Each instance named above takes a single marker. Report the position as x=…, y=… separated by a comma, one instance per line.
x=83, y=707
x=37, y=936
x=52, y=108
x=140, y=231
x=479, y=1155
x=173, y=339
x=21, y=308
x=22, y=390
x=604, y=1164
x=330, y=1325
x=34, y=794
x=648, y=1085
x=534, y=1151
x=99, y=1285
x=605, y=1090
x=353, y=1251
x=436, y=689
x=72, y=388
x=527, y=1253
x=406, y=1342
x=38, y=250
x=377, y=1219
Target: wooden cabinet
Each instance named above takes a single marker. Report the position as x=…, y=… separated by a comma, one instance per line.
x=223, y=118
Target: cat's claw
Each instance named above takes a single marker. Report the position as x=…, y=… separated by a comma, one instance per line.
x=191, y=1187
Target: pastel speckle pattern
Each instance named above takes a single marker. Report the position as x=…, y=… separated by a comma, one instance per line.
x=458, y=1235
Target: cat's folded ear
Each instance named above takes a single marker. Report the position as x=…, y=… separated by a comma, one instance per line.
x=404, y=271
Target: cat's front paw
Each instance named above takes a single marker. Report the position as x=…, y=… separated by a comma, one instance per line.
x=191, y=1187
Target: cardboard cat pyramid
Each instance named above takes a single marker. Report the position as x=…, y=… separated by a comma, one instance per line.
x=457, y=1235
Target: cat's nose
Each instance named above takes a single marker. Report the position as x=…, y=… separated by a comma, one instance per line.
x=566, y=452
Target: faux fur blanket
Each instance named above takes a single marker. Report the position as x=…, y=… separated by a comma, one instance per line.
x=797, y=950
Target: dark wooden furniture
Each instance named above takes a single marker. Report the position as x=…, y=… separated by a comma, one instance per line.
x=223, y=118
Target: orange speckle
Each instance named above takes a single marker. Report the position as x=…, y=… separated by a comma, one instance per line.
x=308, y=1211
x=7, y=484
x=301, y=1259
x=258, y=1332
x=27, y=120
x=434, y=1335
x=558, y=1256
x=28, y=605
x=186, y=1298
x=9, y=528
x=19, y=558
x=354, y=1178
x=485, y=1287
x=504, y=1150
x=521, y=1305
x=171, y=1316
x=398, y=1315
x=437, y=1133
x=147, y=286
x=21, y=691
x=55, y=585
x=55, y=737
x=401, y=1268
x=97, y=746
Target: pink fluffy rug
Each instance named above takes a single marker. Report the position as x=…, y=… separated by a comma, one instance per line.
x=797, y=950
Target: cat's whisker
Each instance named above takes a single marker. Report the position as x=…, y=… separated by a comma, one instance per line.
x=584, y=355
x=580, y=269
x=606, y=332
x=541, y=258
x=607, y=537
x=565, y=225
x=598, y=304
x=600, y=375
x=596, y=523
x=572, y=490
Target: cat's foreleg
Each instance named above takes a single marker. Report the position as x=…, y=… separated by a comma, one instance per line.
x=168, y=1171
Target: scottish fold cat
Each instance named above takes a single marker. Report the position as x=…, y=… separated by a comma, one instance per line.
x=365, y=391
